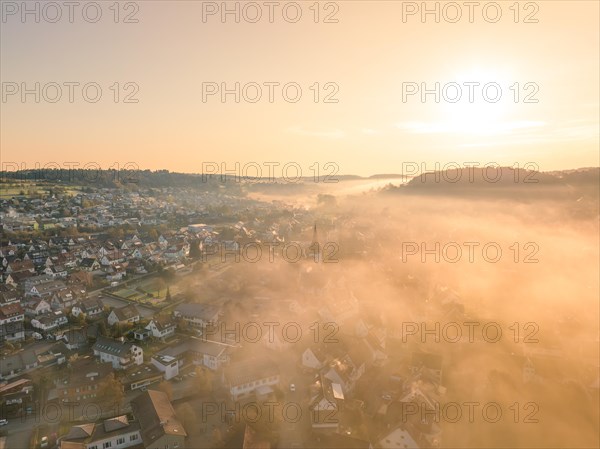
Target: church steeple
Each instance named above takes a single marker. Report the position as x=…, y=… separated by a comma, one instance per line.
x=315, y=246
x=315, y=238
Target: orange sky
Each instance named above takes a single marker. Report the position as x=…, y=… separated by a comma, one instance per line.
x=368, y=55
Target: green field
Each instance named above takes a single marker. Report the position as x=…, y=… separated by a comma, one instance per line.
x=33, y=189
x=25, y=190
x=152, y=290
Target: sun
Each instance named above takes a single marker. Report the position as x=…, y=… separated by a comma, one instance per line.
x=477, y=101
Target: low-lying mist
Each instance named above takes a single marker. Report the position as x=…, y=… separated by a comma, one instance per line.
x=528, y=263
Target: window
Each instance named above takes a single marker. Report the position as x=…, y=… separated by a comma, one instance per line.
x=133, y=437
x=120, y=440
x=107, y=444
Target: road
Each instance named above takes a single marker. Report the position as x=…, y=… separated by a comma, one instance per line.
x=19, y=432
x=294, y=429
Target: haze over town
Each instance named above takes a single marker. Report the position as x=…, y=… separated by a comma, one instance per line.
x=284, y=225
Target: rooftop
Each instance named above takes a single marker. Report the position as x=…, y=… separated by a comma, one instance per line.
x=156, y=416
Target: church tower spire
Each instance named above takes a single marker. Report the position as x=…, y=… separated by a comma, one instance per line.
x=315, y=246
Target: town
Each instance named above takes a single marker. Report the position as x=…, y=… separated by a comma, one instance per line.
x=126, y=321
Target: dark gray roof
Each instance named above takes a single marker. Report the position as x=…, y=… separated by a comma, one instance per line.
x=126, y=312
x=111, y=346
x=202, y=311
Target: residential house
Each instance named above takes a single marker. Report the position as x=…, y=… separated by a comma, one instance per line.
x=116, y=273
x=163, y=242
x=63, y=300
x=162, y=327
x=14, y=365
x=36, y=280
x=9, y=297
x=16, y=392
x=325, y=405
x=18, y=278
x=424, y=395
x=313, y=358
x=249, y=378
x=89, y=264
x=90, y=307
x=84, y=379
x=166, y=364
x=165, y=358
x=123, y=315
x=28, y=359
x=12, y=319
x=113, y=433
x=159, y=426
x=56, y=355
x=398, y=438
x=83, y=278
x=49, y=321
x=46, y=289
x=75, y=339
x=121, y=354
x=141, y=376
x=20, y=265
x=210, y=354
x=197, y=315
x=345, y=372
x=112, y=258
x=57, y=271
x=37, y=306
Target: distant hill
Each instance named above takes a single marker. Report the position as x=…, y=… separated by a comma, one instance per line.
x=504, y=182
x=390, y=176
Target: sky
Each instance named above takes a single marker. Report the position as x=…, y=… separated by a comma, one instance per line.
x=361, y=70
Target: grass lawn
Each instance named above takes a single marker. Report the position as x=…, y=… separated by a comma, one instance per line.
x=152, y=291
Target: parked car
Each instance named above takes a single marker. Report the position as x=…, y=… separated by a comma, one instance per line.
x=292, y=388
x=44, y=442
x=3, y=422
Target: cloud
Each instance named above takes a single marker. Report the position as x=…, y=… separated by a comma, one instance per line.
x=466, y=127
x=324, y=134
x=370, y=131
